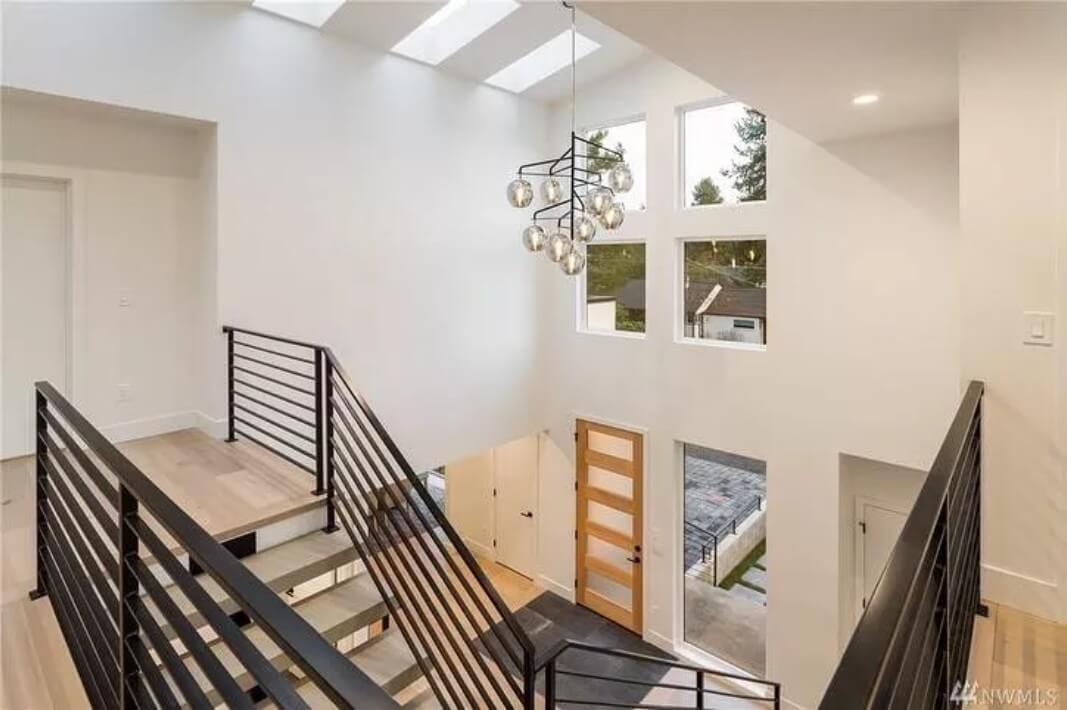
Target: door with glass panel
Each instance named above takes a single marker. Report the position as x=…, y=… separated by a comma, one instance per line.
x=610, y=463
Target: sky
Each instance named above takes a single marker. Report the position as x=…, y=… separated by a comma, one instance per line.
x=632, y=137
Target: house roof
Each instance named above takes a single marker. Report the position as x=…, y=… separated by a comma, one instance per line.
x=730, y=301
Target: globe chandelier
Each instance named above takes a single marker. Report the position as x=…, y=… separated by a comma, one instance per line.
x=577, y=200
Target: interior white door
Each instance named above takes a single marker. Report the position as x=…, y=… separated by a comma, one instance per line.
x=515, y=482
x=880, y=527
x=35, y=311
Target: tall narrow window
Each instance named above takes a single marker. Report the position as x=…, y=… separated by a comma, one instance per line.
x=724, y=155
x=724, y=536
x=724, y=290
x=615, y=287
x=628, y=139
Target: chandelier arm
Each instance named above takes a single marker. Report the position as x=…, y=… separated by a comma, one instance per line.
x=566, y=156
x=600, y=147
x=527, y=166
x=550, y=207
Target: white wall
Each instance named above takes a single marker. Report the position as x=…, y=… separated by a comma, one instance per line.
x=863, y=352
x=469, y=500
x=340, y=215
x=1013, y=210
x=140, y=217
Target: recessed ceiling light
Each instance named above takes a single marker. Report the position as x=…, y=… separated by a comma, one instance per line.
x=542, y=62
x=309, y=12
x=456, y=24
x=865, y=99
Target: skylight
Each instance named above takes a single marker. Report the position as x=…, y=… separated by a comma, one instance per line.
x=542, y=62
x=309, y=12
x=455, y=25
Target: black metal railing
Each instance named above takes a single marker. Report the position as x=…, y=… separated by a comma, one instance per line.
x=911, y=645
x=466, y=641
x=108, y=547
x=591, y=689
x=709, y=540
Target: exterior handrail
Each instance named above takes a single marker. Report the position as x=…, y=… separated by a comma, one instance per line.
x=335, y=675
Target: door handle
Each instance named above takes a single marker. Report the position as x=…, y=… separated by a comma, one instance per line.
x=527, y=514
x=635, y=560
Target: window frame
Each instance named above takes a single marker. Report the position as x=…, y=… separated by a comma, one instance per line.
x=585, y=130
x=680, y=338
x=582, y=310
x=681, y=200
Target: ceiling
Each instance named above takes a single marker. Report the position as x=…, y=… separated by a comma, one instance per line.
x=381, y=24
x=801, y=63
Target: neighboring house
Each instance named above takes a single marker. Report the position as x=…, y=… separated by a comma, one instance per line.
x=713, y=311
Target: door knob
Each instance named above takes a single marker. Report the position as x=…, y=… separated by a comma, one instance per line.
x=527, y=514
x=635, y=560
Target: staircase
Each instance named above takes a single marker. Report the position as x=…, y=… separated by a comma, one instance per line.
x=371, y=599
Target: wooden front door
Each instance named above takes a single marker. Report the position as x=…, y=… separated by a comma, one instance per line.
x=609, y=546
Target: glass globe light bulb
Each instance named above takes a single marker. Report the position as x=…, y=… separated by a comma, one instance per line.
x=573, y=263
x=559, y=245
x=551, y=191
x=621, y=178
x=533, y=238
x=599, y=200
x=520, y=193
x=613, y=216
x=584, y=228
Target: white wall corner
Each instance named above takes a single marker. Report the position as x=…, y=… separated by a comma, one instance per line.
x=564, y=590
x=150, y=426
x=215, y=428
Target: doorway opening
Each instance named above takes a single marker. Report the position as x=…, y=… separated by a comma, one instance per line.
x=725, y=556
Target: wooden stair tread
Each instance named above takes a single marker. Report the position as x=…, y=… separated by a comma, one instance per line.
x=280, y=567
x=334, y=613
x=386, y=660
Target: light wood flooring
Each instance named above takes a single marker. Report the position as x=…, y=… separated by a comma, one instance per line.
x=225, y=487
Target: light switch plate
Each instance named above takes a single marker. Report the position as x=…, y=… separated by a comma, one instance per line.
x=1038, y=327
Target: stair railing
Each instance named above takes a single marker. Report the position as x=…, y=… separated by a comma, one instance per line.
x=470, y=648
x=590, y=689
x=911, y=646
x=109, y=540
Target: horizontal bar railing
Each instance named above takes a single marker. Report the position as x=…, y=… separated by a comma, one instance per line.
x=108, y=546
x=910, y=647
x=709, y=539
x=589, y=691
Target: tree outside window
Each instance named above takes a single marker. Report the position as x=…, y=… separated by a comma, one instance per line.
x=725, y=155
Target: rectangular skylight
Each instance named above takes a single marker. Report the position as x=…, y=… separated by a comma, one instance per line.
x=542, y=62
x=309, y=12
x=455, y=25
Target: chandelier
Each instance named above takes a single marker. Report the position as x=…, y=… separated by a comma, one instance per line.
x=577, y=199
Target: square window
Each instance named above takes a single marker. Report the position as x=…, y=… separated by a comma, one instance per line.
x=724, y=290
x=724, y=155
x=628, y=139
x=615, y=288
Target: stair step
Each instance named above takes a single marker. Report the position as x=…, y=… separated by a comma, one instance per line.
x=425, y=700
x=334, y=613
x=386, y=660
x=281, y=567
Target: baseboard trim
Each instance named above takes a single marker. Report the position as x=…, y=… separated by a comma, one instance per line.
x=1034, y=596
x=480, y=549
x=556, y=588
x=149, y=426
x=215, y=428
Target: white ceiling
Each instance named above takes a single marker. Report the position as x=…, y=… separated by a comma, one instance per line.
x=381, y=24
x=802, y=62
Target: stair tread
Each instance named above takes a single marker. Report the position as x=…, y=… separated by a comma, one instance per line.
x=386, y=661
x=334, y=613
x=280, y=567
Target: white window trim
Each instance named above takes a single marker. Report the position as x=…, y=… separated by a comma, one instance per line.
x=582, y=309
x=681, y=200
x=585, y=130
x=680, y=338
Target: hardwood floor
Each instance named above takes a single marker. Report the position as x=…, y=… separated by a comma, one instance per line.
x=1014, y=653
x=225, y=487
